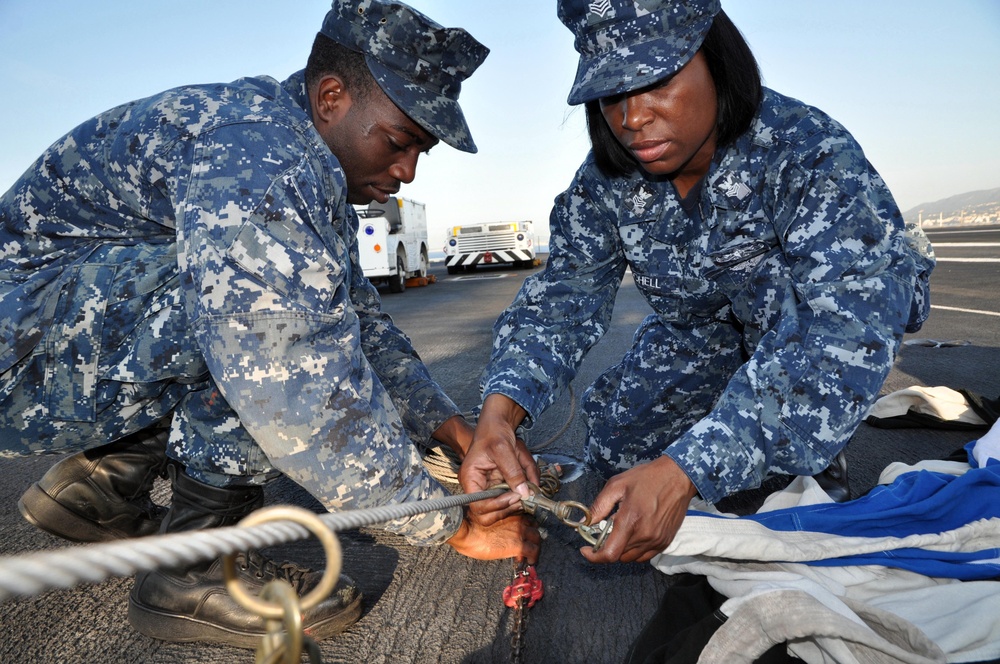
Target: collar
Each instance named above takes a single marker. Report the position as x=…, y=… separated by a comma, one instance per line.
x=295, y=86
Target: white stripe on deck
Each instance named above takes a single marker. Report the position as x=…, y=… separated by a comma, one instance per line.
x=966, y=244
x=966, y=311
x=967, y=260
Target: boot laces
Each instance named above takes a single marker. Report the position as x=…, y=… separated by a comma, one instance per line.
x=265, y=569
x=146, y=505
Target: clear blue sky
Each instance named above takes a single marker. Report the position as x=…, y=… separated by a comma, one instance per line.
x=917, y=82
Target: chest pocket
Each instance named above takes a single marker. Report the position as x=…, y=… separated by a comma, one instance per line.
x=667, y=262
x=734, y=265
x=754, y=275
x=280, y=247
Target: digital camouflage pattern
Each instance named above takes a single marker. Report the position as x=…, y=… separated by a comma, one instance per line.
x=777, y=318
x=193, y=254
x=625, y=45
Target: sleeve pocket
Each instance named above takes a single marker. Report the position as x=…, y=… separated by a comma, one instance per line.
x=279, y=248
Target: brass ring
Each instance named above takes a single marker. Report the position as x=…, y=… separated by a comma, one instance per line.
x=604, y=534
x=571, y=504
x=326, y=584
x=290, y=650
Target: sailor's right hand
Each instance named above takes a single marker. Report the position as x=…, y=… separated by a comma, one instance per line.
x=496, y=456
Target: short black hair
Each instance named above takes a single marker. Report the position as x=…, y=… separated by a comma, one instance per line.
x=329, y=57
x=738, y=89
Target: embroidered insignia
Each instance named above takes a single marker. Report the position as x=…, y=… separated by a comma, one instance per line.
x=733, y=188
x=647, y=282
x=636, y=202
x=600, y=7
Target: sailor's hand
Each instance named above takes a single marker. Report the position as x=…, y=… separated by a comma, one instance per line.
x=496, y=456
x=652, y=499
x=513, y=537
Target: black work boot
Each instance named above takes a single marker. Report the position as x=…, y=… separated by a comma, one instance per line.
x=103, y=493
x=192, y=603
x=834, y=479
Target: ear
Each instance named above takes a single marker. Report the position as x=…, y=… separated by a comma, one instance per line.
x=330, y=101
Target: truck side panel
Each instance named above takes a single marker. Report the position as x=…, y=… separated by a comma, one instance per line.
x=395, y=229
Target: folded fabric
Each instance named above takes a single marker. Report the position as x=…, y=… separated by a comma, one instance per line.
x=985, y=451
x=934, y=524
x=925, y=407
x=687, y=619
x=791, y=616
x=988, y=409
x=924, y=549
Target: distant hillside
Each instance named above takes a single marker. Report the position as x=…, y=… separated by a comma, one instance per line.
x=974, y=207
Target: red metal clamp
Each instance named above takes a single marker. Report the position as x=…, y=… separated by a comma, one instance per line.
x=528, y=586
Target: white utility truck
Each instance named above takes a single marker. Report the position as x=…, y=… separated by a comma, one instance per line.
x=392, y=241
x=470, y=245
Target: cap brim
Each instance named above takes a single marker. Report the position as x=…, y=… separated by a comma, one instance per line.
x=438, y=115
x=630, y=68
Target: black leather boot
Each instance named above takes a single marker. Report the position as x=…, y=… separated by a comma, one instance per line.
x=834, y=479
x=103, y=493
x=192, y=604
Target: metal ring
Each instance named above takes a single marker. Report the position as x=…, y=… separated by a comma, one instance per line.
x=289, y=650
x=604, y=534
x=568, y=505
x=326, y=584
x=587, y=533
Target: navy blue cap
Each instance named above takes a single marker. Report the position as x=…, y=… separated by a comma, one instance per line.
x=419, y=64
x=625, y=45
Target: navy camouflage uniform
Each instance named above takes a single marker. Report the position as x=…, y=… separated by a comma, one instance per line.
x=780, y=298
x=194, y=254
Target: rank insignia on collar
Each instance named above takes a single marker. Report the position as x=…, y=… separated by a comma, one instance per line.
x=733, y=188
x=638, y=199
x=600, y=7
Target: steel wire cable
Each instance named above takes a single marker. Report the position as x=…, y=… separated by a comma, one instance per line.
x=34, y=573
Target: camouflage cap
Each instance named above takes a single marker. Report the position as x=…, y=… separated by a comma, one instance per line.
x=625, y=45
x=419, y=64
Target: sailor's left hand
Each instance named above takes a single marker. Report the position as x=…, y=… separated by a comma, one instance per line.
x=652, y=499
